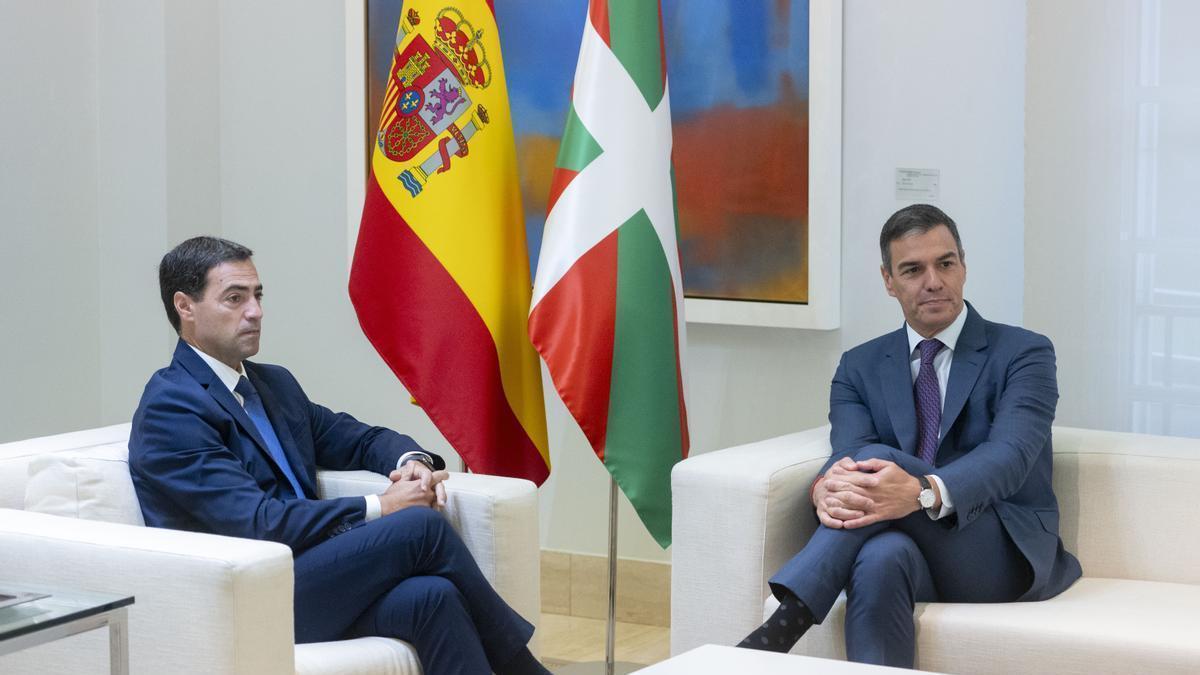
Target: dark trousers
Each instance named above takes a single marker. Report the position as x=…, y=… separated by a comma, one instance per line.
x=886, y=568
x=407, y=575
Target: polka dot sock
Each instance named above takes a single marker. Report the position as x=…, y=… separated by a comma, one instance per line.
x=783, y=629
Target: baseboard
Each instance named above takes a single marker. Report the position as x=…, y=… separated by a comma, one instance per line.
x=576, y=584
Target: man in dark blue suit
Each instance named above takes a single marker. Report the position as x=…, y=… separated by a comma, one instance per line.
x=939, y=484
x=223, y=445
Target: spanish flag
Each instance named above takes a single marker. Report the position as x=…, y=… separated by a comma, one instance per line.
x=440, y=279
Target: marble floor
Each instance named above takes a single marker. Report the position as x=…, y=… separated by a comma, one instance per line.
x=572, y=639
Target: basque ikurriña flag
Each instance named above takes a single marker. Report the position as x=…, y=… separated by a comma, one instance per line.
x=440, y=279
x=607, y=312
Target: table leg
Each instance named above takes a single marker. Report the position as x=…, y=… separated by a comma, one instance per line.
x=118, y=642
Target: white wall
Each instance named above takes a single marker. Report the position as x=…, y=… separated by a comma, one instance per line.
x=246, y=107
x=1075, y=200
x=109, y=152
x=1114, y=136
x=49, y=313
x=283, y=194
x=935, y=84
x=132, y=211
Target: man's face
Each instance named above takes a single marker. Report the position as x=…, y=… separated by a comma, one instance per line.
x=226, y=322
x=927, y=278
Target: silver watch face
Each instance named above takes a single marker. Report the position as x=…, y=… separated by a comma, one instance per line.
x=926, y=498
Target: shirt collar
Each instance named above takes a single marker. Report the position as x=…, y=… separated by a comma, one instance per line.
x=948, y=336
x=228, y=376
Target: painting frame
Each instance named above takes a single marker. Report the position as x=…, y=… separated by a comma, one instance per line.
x=823, y=309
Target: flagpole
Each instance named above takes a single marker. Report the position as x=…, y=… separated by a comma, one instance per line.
x=610, y=642
x=610, y=665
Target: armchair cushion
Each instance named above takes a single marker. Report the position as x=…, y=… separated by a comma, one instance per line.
x=91, y=484
x=361, y=656
x=1148, y=628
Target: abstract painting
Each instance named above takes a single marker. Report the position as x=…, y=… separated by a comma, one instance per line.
x=738, y=75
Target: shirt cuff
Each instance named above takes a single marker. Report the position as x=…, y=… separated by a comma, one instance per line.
x=374, y=508
x=947, y=502
x=422, y=457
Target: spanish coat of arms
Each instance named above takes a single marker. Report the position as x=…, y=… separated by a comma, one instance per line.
x=427, y=101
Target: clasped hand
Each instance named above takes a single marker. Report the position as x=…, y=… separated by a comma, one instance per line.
x=414, y=484
x=856, y=494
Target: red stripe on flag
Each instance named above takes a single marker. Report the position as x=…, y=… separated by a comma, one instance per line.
x=572, y=327
x=562, y=178
x=434, y=340
x=662, y=59
x=598, y=14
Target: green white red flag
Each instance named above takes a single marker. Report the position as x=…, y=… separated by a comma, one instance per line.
x=607, y=306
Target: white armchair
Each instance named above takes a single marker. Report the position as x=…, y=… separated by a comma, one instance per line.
x=212, y=604
x=1126, y=503
x=739, y=514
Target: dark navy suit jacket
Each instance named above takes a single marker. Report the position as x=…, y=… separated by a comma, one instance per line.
x=198, y=463
x=995, y=451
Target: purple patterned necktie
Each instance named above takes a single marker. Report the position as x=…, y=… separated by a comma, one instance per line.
x=929, y=401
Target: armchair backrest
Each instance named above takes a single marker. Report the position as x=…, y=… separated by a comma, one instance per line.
x=1126, y=503
x=85, y=474
x=15, y=456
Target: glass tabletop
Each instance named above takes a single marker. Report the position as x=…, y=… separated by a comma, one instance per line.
x=27, y=608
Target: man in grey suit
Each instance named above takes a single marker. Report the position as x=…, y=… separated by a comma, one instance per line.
x=939, y=484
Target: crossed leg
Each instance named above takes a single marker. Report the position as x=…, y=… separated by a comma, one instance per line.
x=886, y=568
x=408, y=575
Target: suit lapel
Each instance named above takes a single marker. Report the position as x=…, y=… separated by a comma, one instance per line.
x=896, y=380
x=215, y=388
x=282, y=431
x=970, y=353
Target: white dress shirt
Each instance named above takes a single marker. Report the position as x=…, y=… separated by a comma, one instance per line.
x=941, y=366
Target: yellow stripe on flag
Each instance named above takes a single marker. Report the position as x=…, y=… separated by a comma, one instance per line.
x=468, y=214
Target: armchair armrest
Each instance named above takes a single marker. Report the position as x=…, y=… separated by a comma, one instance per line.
x=203, y=603
x=739, y=514
x=497, y=518
x=334, y=484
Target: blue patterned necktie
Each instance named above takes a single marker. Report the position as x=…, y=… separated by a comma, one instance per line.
x=258, y=415
x=929, y=401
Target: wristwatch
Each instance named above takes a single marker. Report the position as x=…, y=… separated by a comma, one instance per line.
x=417, y=456
x=925, y=497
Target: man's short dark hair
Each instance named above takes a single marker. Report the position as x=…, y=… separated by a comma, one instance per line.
x=185, y=268
x=915, y=219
